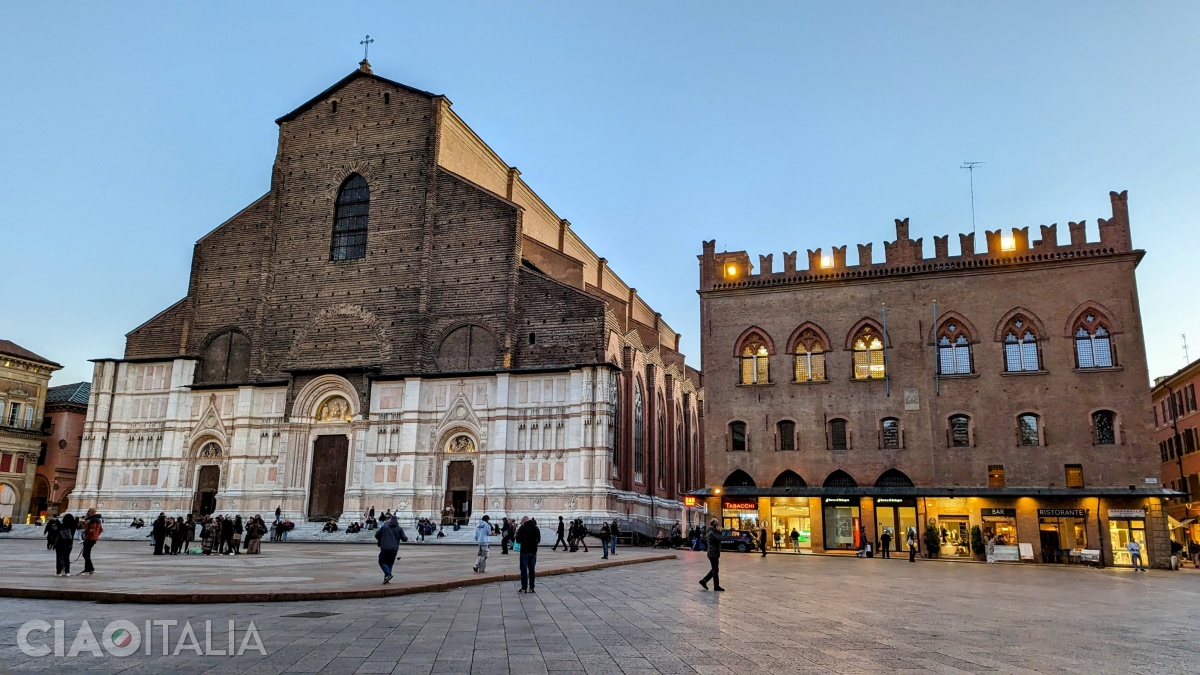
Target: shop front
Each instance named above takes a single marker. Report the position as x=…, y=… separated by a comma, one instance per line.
x=1000, y=529
x=1125, y=525
x=893, y=517
x=739, y=513
x=1062, y=534
x=842, y=523
x=791, y=524
x=954, y=532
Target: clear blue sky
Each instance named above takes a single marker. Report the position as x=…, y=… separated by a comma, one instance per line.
x=128, y=130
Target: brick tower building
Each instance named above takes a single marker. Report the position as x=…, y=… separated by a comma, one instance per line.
x=1002, y=389
x=399, y=323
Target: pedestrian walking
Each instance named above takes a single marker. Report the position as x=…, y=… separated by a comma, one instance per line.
x=1176, y=553
x=506, y=535
x=528, y=538
x=616, y=532
x=580, y=533
x=1135, y=554
x=885, y=544
x=911, y=540
x=1194, y=552
x=158, y=532
x=483, y=534
x=762, y=539
x=714, y=557
x=62, y=548
x=93, y=527
x=388, y=539
x=562, y=529
x=51, y=531
x=989, y=550
x=605, y=535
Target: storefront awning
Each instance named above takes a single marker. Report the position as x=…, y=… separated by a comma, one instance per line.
x=953, y=491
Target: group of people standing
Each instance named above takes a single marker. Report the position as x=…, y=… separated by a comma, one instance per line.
x=222, y=534
x=60, y=537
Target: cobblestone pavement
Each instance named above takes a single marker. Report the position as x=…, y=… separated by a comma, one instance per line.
x=780, y=615
x=282, y=570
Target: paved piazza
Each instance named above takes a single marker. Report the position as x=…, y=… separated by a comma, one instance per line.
x=781, y=614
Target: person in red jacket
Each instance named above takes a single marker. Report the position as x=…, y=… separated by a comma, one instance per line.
x=93, y=527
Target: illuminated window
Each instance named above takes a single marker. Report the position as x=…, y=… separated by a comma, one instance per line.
x=954, y=350
x=960, y=431
x=1020, y=346
x=995, y=475
x=756, y=367
x=1028, y=429
x=1103, y=423
x=350, y=220
x=1093, y=347
x=810, y=357
x=1074, y=475
x=868, y=355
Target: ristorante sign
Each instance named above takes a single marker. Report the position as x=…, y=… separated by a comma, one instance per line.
x=1062, y=513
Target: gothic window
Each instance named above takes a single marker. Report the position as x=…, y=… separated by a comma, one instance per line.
x=661, y=467
x=678, y=451
x=840, y=479
x=737, y=436
x=1093, y=347
x=1029, y=429
x=839, y=436
x=960, y=431
x=1104, y=427
x=350, y=220
x=954, y=350
x=893, y=478
x=639, y=449
x=890, y=433
x=755, y=361
x=810, y=357
x=226, y=358
x=614, y=401
x=1020, y=346
x=789, y=478
x=787, y=435
x=868, y=355
x=739, y=478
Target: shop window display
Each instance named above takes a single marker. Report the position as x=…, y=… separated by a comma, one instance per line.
x=1000, y=527
x=791, y=524
x=1120, y=531
x=842, y=523
x=955, y=536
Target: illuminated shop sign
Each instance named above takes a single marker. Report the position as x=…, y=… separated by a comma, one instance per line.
x=1007, y=513
x=1062, y=513
x=837, y=500
x=689, y=500
x=742, y=505
x=1126, y=513
x=890, y=500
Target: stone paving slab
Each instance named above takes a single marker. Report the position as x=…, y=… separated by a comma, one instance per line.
x=128, y=572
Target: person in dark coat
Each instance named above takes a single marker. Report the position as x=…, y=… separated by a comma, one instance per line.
x=605, y=535
x=762, y=539
x=63, y=546
x=388, y=538
x=528, y=536
x=615, y=531
x=562, y=529
x=713, y=539
x=51, y=531
x=506, y=535
x=189, y=531
x=226, y=536
x=885, y=544
x=158, y=532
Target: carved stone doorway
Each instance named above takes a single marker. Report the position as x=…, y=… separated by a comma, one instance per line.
x=204, y=502
x=460, y=477
x=327, y=489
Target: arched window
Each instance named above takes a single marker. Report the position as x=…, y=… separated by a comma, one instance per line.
x=810, y=357
x=639, y=450
x=660, y=469
x=467, y=348
x=868, y=355
x=1104, y=427
x=789, y=478
x=839, y=435
x=840, y=478
x=786, y=430
x=960, y=431
x=679, y=451
x=889, y=436
x=1093, y=348
x=954, y=349
x=1020, y=346
x=756, y=368
x=1028, y=429
x=893, y=478
x=737, y=436
x=350, y=220
x=226, y=358
x=740, y=478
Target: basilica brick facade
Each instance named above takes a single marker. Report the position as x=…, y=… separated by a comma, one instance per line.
x=1002, y=389
x=400, y=322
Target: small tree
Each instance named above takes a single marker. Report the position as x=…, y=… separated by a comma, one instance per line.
x=977, y=545
x=932, y=540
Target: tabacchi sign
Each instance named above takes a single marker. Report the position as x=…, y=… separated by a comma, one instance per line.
x=124, y=638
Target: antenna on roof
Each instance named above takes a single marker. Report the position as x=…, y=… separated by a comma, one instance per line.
x=1185, y=349
x=970, y=166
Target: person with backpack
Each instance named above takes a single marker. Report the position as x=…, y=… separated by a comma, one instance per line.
x=51, y=531
x=483, y=534
x=506, y=535
x=528, y=537
x=63, y=546
x=388, y=539
x=605, y=535
x=93, y=527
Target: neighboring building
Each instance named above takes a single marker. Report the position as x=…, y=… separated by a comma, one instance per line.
x=1177, y=431
x=63, y=423
x=1003, y=389
x=23, y=379
x=399, y=323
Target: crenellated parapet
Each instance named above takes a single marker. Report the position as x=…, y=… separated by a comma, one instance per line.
x=904, y=255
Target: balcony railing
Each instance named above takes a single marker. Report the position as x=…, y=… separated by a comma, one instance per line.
x=19, y=424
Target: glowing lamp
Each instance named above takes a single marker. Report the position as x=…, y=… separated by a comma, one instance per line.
x=826, y=262
x=1008, y=244
x=731, y=271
